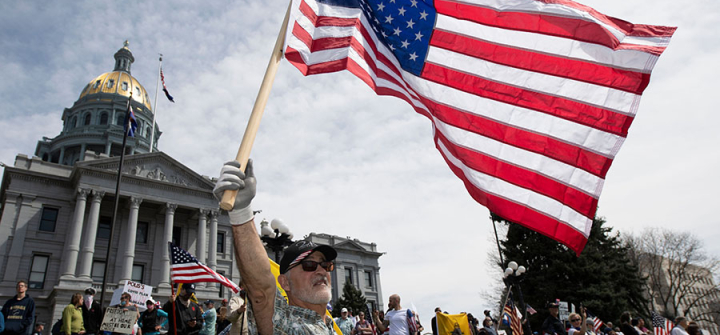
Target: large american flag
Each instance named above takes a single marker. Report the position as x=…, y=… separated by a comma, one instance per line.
x=511, y=316
x=530, y=100
x=661, y=325
x=185, y=268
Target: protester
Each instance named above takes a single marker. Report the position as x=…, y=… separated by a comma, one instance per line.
x=92, y=313
x=343, y=322
x=222, y=320
x=625, y=326
x=693, y=328
x=635, y=323
x=152, y=319
x=209, y=319
x=237, y=316
x=589, y=325
x=187, y=313
x=363, y=327
x=223, y=303
x=402, y=320
x=19, y=312
x=434, y=321
x=304, y=269
x=577, y=324
x=681, y=324
x=72, y=317
x=641, y=325
x=39, y=327
x=552, y=324
x=488, y=325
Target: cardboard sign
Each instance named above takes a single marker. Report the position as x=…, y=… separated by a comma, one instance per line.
x=139, y=294
x=118, y=321
x=563, y=310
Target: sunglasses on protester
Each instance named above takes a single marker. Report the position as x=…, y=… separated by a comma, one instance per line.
x=310, y=266
x=573, y=320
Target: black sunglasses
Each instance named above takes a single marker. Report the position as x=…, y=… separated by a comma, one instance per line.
x=573, y=320
x=310, y=266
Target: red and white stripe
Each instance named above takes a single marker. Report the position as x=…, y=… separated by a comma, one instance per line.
x=530, y=101
x=197, y=272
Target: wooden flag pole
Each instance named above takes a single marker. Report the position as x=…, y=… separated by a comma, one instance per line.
x=228, y=199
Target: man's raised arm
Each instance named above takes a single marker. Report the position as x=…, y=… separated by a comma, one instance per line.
x=251, y=257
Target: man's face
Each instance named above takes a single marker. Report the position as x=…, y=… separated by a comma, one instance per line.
x=554, y=311
x=21, y=287
x=344, y=315
x=312, y=287
x=684, y=323
x=361, y=316
x=185, y=294
x=394, y=302
x=150, y=306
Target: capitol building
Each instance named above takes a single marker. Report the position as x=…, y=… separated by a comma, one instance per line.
x=57, y=206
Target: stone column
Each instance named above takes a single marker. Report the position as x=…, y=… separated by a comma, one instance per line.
x=129, y=252
x=62, y=155
x=17, y=213
x=169, y=218
x=89, y=236
x=72, y=241
x=201, y=239
x=212, y=250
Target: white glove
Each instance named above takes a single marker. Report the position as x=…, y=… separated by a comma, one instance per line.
x=231, y=178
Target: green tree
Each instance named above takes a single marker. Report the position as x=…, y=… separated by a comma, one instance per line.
x=352, y=299
x=603, y=278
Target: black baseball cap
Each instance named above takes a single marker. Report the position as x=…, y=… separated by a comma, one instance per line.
x=299, y=250
x=189, y=287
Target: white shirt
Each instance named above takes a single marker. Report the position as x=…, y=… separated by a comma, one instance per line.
x=398, y=322
x=678, y=330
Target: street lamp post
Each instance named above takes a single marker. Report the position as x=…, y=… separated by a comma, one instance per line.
x=513, y=275
x=277, y=236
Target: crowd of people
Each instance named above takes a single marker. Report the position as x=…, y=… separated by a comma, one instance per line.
x=84, y=315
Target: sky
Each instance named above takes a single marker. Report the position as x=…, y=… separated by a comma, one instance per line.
x=330, y=156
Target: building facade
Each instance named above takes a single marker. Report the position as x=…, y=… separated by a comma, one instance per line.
x=56, y=214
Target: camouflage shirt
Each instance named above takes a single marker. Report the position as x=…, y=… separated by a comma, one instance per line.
x=293, y=320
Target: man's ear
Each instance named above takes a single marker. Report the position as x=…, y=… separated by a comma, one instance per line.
x=284, y=282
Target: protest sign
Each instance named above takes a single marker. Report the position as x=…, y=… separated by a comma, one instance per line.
x=139, y=294
x=118, y=321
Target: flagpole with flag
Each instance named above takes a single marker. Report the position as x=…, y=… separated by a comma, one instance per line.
x=243, y=154
x=129, y=126
x=155, y=106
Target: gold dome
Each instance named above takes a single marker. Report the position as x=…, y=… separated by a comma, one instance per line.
x=117, y=82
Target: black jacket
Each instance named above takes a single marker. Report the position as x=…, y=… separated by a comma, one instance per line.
x=19, y=315
x=92, y=317
x=184, y=315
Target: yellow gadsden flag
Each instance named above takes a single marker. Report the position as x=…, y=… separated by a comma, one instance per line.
x=275, y=268
x=447, y=323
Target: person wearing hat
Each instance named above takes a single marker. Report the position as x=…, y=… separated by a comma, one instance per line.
x=149, y=320
x=552, y=325
x=209, y=318
x=344, y=322
x=92, y=314
x=188, y=315
x=304, y=268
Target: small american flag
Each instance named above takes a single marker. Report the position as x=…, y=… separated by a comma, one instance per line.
x=530, y=309
x=661, y=325
x=185, y=268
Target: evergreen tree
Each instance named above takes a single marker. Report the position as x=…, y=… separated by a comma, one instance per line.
x=352, y=299
x=603, y=279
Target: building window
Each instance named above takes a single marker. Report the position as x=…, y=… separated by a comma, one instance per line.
x=88, y=118
x=111, y=83
x=142, y=232
x=37, y=271
x=72, y=124
x=221, y=242
x=148, y=131
x=349, y=275
x=98, y=270
x=137, y=92
x=104, y=227
x=97, y=84
x=125, y=86
x=103, y=118
x=368, y=279
x=120, y=119
x=137, y=273
x=177, y=235
x=48, y=219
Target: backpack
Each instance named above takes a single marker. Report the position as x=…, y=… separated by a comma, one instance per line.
x=55, y=330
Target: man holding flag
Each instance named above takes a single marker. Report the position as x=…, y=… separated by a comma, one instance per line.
x=188, y=315
x=304, y=269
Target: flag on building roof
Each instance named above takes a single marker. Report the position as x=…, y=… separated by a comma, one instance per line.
x=130, y=123
x=529, y=100
x=511, y=317
x=661, y=325
x=185, y=268
x=167, y=94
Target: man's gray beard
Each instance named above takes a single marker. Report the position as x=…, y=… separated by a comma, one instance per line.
x=310, y=297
